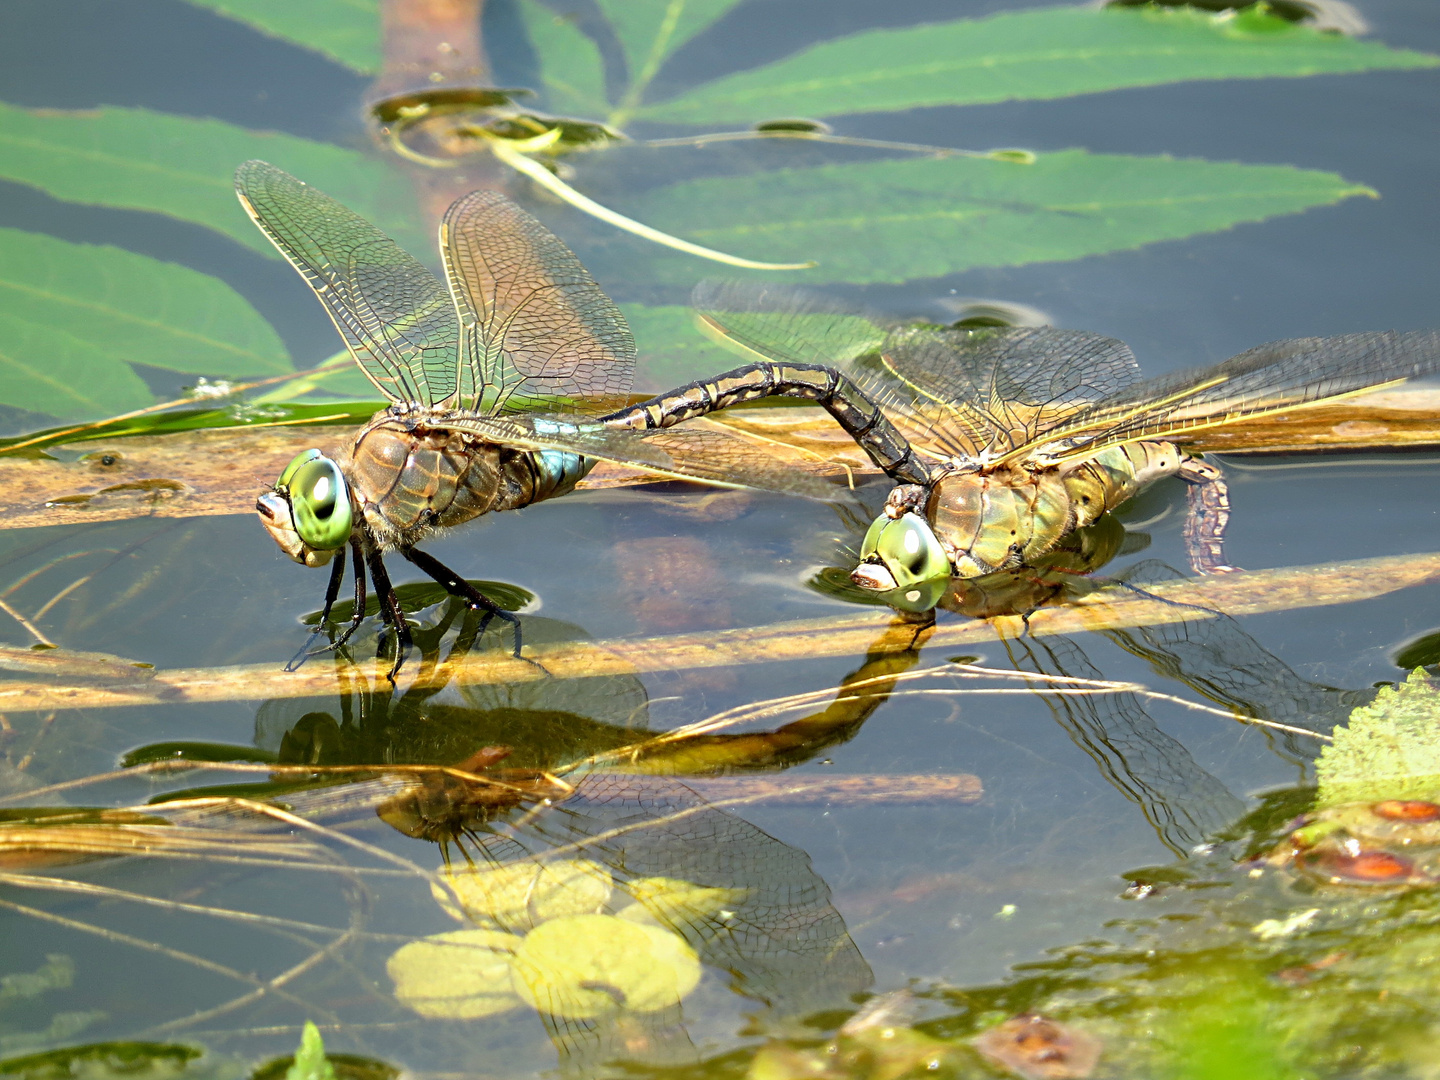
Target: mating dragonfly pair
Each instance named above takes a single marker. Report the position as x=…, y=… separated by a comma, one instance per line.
x=508, y=387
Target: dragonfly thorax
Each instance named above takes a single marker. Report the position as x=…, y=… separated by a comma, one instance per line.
x=1009, y=516
x=410, y=476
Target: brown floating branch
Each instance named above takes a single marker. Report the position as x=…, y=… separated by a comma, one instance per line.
x=195, y=474
x=206, y=473
x=811, y=789
x=1245, y=593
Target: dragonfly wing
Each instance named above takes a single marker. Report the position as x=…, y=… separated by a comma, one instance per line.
x=535, y=326
x=708, y=455
x=996, y=388
x=395, y=316
x=1183, y=803
x=950, y=389
x=732, y=460
x=1278, y=377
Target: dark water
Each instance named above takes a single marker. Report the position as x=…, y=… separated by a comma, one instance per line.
x=937, y=894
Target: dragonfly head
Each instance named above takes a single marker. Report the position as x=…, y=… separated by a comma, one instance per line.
x=308, y=513
x=903, y=555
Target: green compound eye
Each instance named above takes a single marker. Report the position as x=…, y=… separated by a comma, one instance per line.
x=290, y=470
x=319, y=499
x=909, y=549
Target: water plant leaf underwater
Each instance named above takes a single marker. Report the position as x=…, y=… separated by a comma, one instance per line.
x=1025, y=55
x=138, y=159
x=74, y=316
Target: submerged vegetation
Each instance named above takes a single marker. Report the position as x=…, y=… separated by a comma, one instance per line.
x=759, y=824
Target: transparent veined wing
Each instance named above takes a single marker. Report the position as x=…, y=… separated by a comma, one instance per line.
x=1279, y=377
x=395, y=316
x=689, y=452
x=1224, y=664
x=948, y=389
x=1184, y=804
x=534, y=325
x=992, y=389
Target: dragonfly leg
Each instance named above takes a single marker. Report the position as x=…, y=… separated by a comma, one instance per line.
x=1209, y=514
x=332, y=590
x=390, y=610
x=359, y=614
x=861, y=418
x=455, y=585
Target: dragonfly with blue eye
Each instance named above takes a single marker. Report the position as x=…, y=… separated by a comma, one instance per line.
x=1007, y=440
x=496, y=386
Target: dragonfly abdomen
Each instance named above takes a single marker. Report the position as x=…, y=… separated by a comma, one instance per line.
x=1100, y=483
x=553, y=472
x=838, y=395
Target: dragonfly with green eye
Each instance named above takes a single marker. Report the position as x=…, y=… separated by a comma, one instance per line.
x=468, y=370
x=1012, y=438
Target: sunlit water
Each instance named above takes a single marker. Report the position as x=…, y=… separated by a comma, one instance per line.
x=930, y=893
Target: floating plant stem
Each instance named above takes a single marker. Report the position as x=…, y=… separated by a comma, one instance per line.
x=512, y=154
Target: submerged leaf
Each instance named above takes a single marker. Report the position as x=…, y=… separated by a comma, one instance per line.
x=100, y=1060
x=585, y=966
x=678, y=904
x=347, y=31
x=651, y=30
x=72, y=317
x=898, y=220
x=183, y=167
x=456, y=976
x=520, y=895
x=1025, y=55
x=1390, y=749
x=671, y=350
x=571, y=68
x=1038, y=1048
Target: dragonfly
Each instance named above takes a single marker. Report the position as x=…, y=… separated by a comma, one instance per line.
x=495, y=386
x=1006, y=440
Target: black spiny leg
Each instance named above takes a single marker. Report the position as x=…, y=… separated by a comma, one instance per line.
x=332, y=590
x=455, y=585
x=390, y=610
x=358, y=616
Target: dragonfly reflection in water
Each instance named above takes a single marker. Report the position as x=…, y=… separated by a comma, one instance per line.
x=522, y=327
x=760, y=917
x=760, y=921
x=1022, y=435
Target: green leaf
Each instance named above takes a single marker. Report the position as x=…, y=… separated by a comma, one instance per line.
x=650, y=30
x=897, y=220
x=310, y=1062
x=672, y=351
x=347, y=31
x=462, y=975
x=73, y=316
x=175, y=421
x=1389, y=749
x=518, y=896
x=1024, y=55
x=570, y=65
x=582, y=967
x=183, y=167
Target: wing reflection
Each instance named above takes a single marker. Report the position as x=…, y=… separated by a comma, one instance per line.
x=774, y=938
